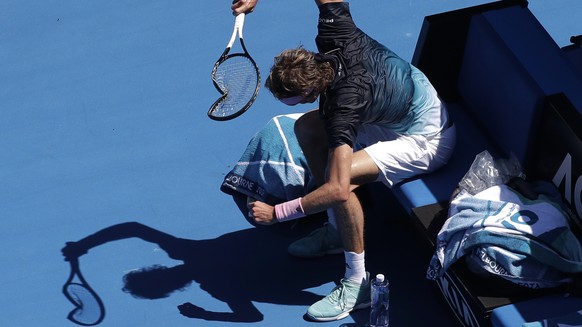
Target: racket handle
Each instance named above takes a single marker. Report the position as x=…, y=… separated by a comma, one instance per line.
x=239, y=22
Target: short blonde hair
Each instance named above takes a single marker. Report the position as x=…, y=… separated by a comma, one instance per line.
x=295, y=71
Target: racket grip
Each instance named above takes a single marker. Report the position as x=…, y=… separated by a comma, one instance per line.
x=239, y=22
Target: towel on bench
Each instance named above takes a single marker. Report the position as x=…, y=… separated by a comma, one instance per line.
x=501, y=232
x=571, y=320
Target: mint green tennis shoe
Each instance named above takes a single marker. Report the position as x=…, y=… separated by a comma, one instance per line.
x=342, y=300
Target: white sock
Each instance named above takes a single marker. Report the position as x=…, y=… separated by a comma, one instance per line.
x=355, y=267
x=331, y=218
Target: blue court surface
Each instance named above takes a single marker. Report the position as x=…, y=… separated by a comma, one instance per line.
x=104, y=122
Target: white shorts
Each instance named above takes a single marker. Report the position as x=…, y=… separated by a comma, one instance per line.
x=404, y=156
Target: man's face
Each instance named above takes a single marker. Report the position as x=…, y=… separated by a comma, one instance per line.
x=308, y=96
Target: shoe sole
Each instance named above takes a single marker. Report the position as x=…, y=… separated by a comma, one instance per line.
x=341, y=315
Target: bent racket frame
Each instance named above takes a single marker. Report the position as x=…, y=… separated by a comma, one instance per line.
x=246, y=83
x=89, y=309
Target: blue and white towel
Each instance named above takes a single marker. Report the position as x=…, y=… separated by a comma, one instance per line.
x=500, y=232
x=573, y=319
x=273, y=168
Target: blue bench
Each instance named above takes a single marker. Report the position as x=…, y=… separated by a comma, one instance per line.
x=558, y=157
x=498, y=71
x=503, y=66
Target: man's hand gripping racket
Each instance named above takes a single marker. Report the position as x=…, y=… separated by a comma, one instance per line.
x=237, y=78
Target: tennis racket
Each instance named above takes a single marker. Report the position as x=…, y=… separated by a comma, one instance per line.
x=237, y=78
x=89, y=309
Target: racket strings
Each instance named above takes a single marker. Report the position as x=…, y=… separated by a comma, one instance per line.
x=89, y=310
x=238, y=79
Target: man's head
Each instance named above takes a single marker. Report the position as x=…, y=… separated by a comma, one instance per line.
x=297, y=77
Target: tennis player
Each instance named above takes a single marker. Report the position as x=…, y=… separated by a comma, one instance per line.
x=379, y=119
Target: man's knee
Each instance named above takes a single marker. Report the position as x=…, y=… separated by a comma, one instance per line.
x=309, y=129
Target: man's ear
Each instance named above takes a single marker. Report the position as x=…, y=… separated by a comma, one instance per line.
x=307, y=91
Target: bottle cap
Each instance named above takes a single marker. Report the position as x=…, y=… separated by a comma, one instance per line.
x=380, y=277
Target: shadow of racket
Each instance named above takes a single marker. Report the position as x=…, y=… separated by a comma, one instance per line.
x=89, y=309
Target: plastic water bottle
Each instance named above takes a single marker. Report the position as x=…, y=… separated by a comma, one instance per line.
x=379, y=310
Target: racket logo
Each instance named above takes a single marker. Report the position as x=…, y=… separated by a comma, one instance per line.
x=89, y=309
x=237, y=78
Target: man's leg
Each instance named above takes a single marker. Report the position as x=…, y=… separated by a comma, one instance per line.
x=354, y=289
x=350, y=217
x=311, y=135
x=312, y=138
x=310, y=132
x=350, y=221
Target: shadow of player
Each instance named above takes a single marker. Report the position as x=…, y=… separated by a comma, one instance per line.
x=238, y=268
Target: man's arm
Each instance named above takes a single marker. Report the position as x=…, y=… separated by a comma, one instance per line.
x=336, y=189
x=114, y=233
x=321, y=2
x=247, y=6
